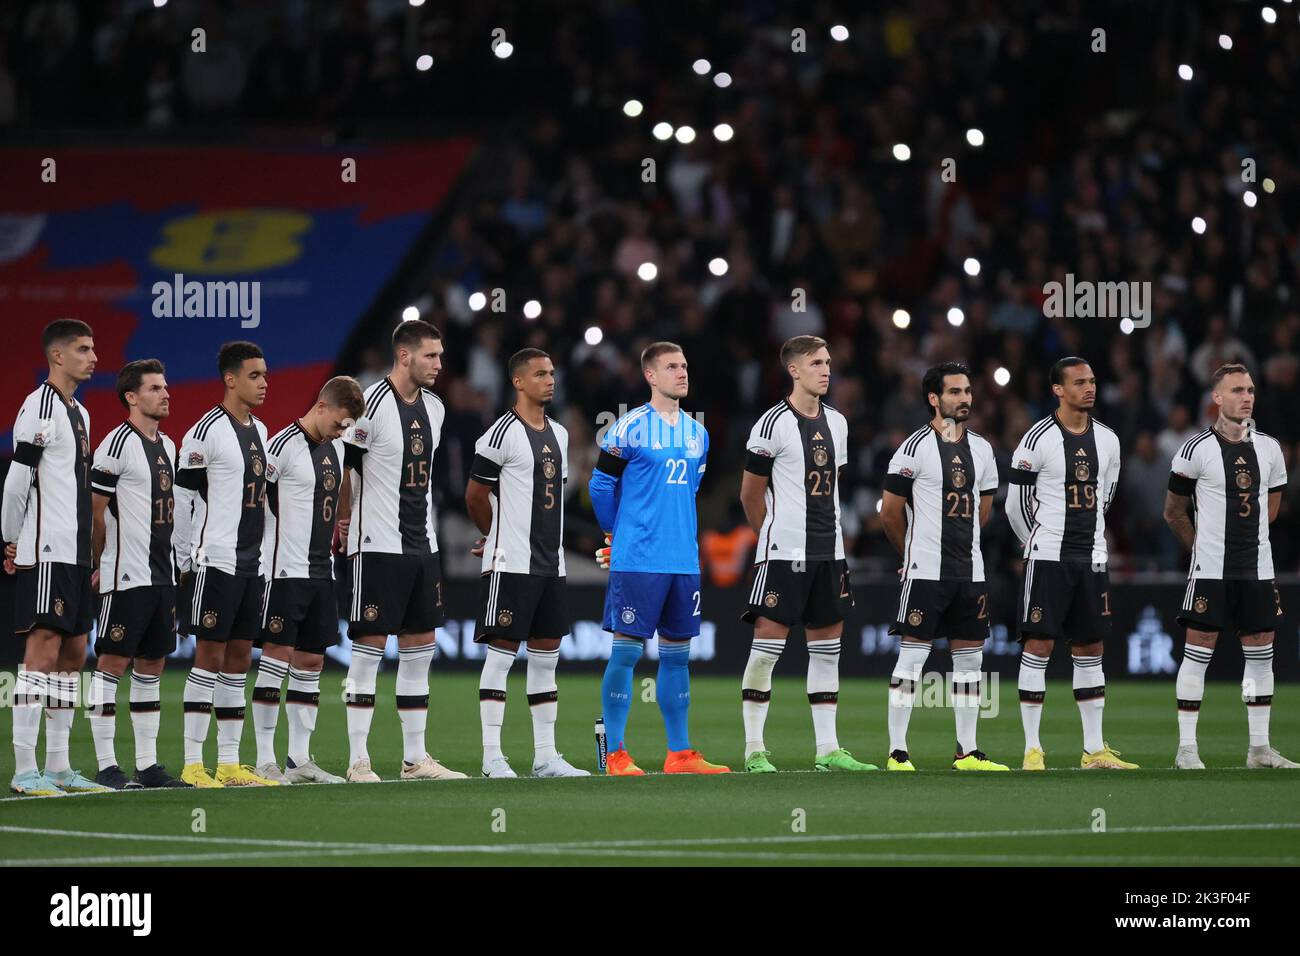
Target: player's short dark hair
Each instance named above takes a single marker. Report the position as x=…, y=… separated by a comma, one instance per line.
x=130, y=378
x=63, y=331
x=1057, y=376
x=800, y=345
x=522, y=358
x=408, y=335
x=344, y=391
x=1232, y=368
x=233, y=355
x=653, y=351
x=932, y=383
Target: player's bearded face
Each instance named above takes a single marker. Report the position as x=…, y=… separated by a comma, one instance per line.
x=153, y=399
x=958, y=409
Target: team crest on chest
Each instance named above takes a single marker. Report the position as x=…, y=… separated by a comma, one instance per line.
x=548, y=469
x=164, y=481
x=1243, y=478
x=1082, y=471
x=692, y=445
x=417, y=445
x=258, y=467
x=820, y=457
x=329, y=481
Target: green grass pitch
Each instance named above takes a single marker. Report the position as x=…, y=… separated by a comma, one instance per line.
x=1226, y=815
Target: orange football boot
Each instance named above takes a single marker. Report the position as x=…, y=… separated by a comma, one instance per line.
x=619, y=764
x=691, y=761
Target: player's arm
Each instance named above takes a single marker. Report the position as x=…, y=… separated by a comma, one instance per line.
x=762, y=451
x=484, y=479
x=1022, y=477
x=1111, y=484
x=899, y=477
x=1183, y=475
x=991, y=483
x=191, y=484
x=31, y=437
x=104, y=474
x=604, y=480
x=1276, y=484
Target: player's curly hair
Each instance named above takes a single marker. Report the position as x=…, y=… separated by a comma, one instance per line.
x=932, y=383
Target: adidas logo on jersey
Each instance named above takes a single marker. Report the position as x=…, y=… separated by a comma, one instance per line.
x=414, y=423
x=956, y=459
x=1080, y=453
x=546, y=449
x=284, y=574
x=818, y=437
x=126, y=577
x=1239, y=461
x=252, y=446
x=162, y=460
x=326, y=460
x=658, y=447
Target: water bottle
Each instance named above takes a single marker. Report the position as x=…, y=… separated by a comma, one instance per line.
x=600, y=744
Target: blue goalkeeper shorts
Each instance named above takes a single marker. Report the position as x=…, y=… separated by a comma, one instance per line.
x=639, y=603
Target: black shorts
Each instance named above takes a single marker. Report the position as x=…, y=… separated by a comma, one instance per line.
x=138, y=622
x=54, y=596
x=1065, y=599
x=225, y=607
x=957, y=610
x=518, y=607
x=819, y=594
x=1240, y=604
x=395, y=594
x=301, y=613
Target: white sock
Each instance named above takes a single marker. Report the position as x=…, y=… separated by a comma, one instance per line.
x=756, y=690
x=1257, y=691
x=199, y=690
x=101, y=712
x=359, y=695
x=902, y=690
x=1189, y=690
x=58, y=721
x=824, y=692
x=492, y=698
x=300, y=708
x=967, y=665
x=146, y=710
x=29, y=699
x=266, y=705
x=1033, y=688
x=543, y=702
x=1090, y=693
x=413, y=698
x=228, y=702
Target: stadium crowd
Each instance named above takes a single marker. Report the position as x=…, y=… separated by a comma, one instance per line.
x=822, y=228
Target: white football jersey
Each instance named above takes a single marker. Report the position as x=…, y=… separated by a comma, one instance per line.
x=1065, y=485
x=527, y=468
x=803, y=491
x=943, y=483
x=390, y=451
x=1230, y=483
x=221, y=472
x=47, y=508
x=136, y=474
x=304, y=478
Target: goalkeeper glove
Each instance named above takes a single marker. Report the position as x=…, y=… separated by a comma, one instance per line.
x=602, y=554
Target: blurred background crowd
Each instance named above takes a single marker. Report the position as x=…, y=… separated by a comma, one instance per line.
x=1090, y=163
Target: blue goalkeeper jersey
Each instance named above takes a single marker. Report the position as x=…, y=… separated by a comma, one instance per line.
x=643, y=490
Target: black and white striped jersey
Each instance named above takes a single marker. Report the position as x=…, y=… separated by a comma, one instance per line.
x=527, y=467
x=46, y=508
x=943, y=482
x=390, y=451
x=1230, y=483
x=1065, y=483
x=136, y=474
x=801, y=457
x=303, y=481
x=221, y=492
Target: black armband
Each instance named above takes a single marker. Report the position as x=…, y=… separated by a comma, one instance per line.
x=611, y=465
x=352, y=456
x=1277, y=489
x=900, y=485
x=485, y=471
x=760, y=465
x=28, y=454
x=193, y=479
x=1018, y=476
x=1181, y=484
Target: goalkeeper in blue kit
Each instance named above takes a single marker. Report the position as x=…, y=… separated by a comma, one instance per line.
x=643, y=491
